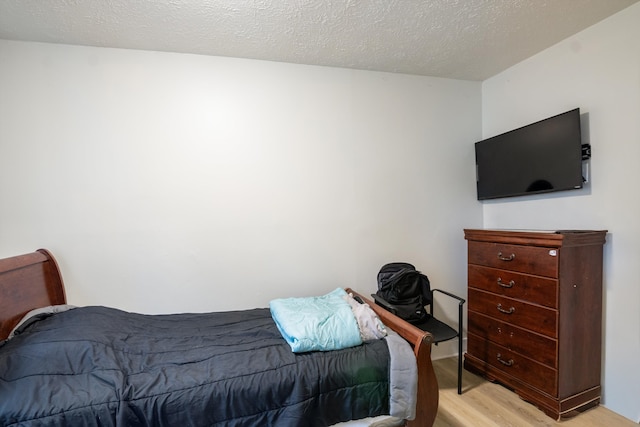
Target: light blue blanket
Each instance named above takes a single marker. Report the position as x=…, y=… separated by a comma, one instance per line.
x=320, y=323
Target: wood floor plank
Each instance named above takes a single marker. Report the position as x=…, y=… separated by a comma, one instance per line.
x=485, y=404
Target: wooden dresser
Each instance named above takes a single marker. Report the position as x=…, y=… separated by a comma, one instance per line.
x=535, y=315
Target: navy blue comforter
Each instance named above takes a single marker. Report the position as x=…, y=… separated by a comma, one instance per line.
x=97, y=366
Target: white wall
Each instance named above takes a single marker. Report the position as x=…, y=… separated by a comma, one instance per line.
x=598, y=70
x=166, y=182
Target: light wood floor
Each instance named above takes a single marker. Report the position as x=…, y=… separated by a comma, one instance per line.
x=487, y=404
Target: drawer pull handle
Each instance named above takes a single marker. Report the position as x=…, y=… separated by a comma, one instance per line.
x=506, y=258
x=505, y=362
x=502, y=310
x=506, y=285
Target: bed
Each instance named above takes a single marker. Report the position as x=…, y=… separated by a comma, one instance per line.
x=218, y=379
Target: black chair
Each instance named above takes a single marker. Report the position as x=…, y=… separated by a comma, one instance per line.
x=441, y=331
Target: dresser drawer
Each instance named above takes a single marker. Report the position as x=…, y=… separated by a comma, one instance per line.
x=536, y=260
x=536, y=347
x=518, y=366
x=535, y=289
x=528, y=316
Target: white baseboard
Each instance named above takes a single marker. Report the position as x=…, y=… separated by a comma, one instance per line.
x=447, y=349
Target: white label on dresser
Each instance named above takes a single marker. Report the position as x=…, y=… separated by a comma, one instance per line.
x=553, y=252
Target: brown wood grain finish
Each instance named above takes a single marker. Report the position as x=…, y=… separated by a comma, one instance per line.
x=532, y=345
x=558, y=409
x=27, y=282
x=527, y=287
x=539, y=238
x=516, y=312
x=525, y=259
x=546, y=325
x=535, y=374
x=580, y=355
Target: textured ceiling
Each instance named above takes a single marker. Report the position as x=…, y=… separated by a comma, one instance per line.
x=461, y=39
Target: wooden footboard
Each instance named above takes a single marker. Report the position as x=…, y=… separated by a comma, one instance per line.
x=427, y=403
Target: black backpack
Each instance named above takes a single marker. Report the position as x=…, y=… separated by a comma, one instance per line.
x=404, y=291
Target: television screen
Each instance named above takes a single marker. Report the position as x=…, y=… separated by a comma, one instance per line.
x=541, y=157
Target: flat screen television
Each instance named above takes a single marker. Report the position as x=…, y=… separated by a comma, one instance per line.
x=542, y=157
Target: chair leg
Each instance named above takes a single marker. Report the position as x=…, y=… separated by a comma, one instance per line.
x=459, y=364
x=460, y=347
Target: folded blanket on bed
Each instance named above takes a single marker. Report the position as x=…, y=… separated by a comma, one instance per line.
x=319, y=323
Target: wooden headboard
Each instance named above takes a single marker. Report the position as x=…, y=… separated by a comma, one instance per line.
x=26, y=282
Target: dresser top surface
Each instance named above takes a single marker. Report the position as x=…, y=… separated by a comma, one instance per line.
x=550, y=238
